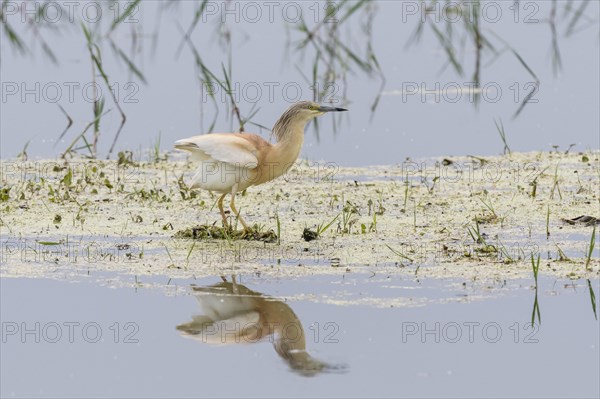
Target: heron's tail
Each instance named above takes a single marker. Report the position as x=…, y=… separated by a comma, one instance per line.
x=186, y=145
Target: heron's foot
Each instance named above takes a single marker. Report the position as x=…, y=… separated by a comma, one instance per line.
x=248, y=232
x=231, y=228
x=243, y=223
x=226, y=225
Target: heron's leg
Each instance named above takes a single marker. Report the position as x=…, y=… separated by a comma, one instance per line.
x=232, y=205
x=220, y=204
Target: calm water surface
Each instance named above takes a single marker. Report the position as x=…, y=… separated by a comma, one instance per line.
x=141, y=342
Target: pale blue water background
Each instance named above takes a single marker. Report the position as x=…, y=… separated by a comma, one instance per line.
x=170, y=104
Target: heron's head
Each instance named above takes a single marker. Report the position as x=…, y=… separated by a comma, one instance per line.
x=300, y=113
x=307, y=110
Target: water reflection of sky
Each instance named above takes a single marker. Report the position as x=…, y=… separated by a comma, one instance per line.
x=407, y=123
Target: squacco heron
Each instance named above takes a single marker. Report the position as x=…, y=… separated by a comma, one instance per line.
x=232, y=162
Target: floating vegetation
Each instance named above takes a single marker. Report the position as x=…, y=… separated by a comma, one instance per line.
x=359, y=223
x=309, y=235
x=582, y=220
x=211, y=232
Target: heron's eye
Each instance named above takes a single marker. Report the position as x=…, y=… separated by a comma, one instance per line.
x=312, y=107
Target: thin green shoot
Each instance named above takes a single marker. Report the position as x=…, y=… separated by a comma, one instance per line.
x=278, y=228
x=536, y=306
x=590, y=250
x=172, y=265
x=592, y=298
x=555, y=186
x=489, y=206
x=400, y=254
x=322, y=228
x=535, y=265
x=502, y=133
x=187, y=258
x=548, y=222
x=406, y=188
x=562, y=257
x=156, y=150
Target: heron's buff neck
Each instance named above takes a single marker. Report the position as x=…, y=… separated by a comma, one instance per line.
x=289, y=134
x=289, y=124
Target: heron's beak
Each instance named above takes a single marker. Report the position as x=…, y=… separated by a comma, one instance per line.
x=331, y=109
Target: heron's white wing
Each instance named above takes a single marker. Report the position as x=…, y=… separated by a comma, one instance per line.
x=222, y=147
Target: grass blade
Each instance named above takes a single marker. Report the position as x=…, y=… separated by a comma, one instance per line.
x=590, y=249
x=592, y=298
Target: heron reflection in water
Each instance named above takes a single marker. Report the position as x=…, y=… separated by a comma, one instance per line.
x=232, y=313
